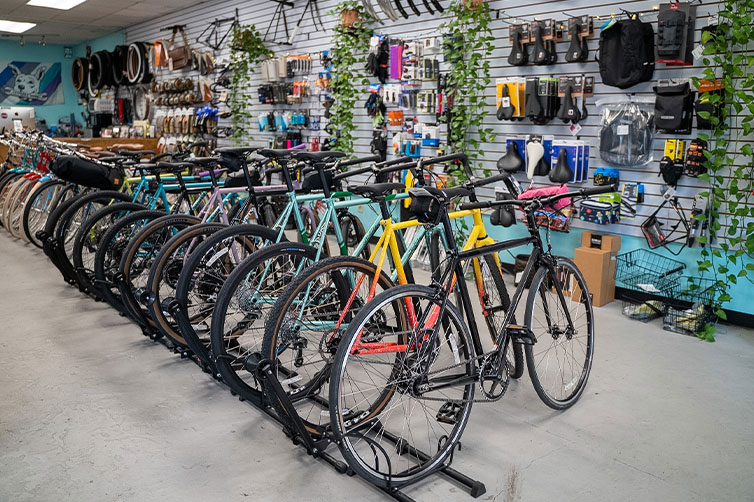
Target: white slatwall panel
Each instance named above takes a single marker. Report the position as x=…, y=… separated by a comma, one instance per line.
x=313, y=39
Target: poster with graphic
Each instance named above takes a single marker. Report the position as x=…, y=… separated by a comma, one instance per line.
x=30, y=84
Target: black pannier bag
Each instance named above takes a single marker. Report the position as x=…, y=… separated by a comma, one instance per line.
x=626, y=53
x=87, y=173
x=674, y=106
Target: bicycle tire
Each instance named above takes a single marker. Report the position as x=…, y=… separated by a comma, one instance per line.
x=352, y=230
x=169, y=262
x=492, y=306
x=72, y=218
x=202, y=277
x=540, y=288
x=332, y=295
x=87, y=240
x=277, y=262
x=141, y=253
x=139, y=256
x=354, y=413
x=515, y=353
x=110, y=251
x=35, y=218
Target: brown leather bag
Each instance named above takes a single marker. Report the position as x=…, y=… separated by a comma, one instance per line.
x=178, y=56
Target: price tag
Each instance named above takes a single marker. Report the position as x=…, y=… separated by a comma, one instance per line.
x=697, y=52
x=506, y=102
x=575, y=128
x=622, y=130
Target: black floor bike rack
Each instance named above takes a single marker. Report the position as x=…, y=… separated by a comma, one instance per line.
x=292, y=425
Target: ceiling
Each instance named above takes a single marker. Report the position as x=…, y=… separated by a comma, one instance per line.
x=89, y=20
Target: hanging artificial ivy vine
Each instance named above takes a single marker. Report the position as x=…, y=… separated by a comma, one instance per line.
x=348, y=51
x=246, y=50
x=730, y=158
x=468, y=47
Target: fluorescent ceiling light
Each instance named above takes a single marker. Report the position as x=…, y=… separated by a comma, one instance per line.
x=15, y=26
x=55, y=4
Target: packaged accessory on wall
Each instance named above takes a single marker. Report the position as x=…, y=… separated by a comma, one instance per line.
x=519, y=37
x=626, y=52
x=627, y=131
x=707, y=104
x=671, y=171
x=606, y=176
x=675, y=33
x=503, y=216
x=695, y=158
x=579, y=29
x=673, y=107
x=599, y=212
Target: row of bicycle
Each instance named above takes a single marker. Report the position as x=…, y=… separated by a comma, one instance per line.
x=301, y=311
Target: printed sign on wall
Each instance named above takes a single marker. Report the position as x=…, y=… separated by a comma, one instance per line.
x=30, y=84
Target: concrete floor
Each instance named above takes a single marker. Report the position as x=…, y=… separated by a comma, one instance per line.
x=93, y=411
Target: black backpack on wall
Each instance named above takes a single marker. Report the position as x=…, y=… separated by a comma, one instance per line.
x=627, y=53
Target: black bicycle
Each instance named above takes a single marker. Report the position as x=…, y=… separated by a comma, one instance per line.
x=407, y=368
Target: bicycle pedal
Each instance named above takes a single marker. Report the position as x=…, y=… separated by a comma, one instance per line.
x=449, y=413
x=521, y=334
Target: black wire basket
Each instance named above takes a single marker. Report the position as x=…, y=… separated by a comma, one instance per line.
x=691, y=306
x=643, y=270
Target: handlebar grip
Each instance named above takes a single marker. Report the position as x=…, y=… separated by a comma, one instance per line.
x=475, y=205
x=445, y=158
x=399, y=160
x=353, y=162
x=598, y=190
x=489, y=181
x=398, y=167
x=354, y=172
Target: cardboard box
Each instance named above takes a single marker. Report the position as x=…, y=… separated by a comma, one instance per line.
x=597, y=260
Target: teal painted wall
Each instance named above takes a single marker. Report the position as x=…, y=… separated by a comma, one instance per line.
x=32, y=51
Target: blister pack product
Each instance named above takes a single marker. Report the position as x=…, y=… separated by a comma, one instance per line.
x=627, y=131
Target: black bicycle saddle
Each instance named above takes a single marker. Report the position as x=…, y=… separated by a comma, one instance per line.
x=574, y=50
x=532, y=106
x=518, y=55
x=376, y=189
x=505, y=112
x=568, y=111
x=562, y=172
x=512, y=161
x=541, y=54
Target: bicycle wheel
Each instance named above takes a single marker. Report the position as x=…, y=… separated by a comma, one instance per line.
x=353, y=232
x=204, y=274
x=70, y=221
x=15, y=207
x=495, y=302
x=140, y=254
x=110, y=251
x=48, y=196
x=397, y=415
x=304, y=328
x=87, y=240
x=164, y=274
x=242, y=309
x=560, y=362
x=493, y=297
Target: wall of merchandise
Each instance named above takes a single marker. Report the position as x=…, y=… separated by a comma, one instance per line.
x=313, y=37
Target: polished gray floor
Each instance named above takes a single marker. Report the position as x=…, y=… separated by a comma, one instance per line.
x=90, y=410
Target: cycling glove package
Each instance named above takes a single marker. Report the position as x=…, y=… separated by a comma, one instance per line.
x=627, y=132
